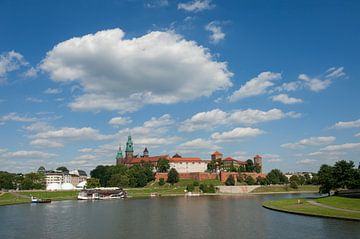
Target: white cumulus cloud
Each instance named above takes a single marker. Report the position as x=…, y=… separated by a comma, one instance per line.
x=117, y=121
x=124, y=74
x=196, y=5
x=321, y=83
x=285, y=99
x=10, y=61
x=256, y=86
x=312, y=141
x=236, y=134
x=342, y=147
x=347, y=124
x=209, y=119
x=217, y=34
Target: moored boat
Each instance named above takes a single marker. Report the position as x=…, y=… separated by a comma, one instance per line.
x=102, y=194
x=39, y=200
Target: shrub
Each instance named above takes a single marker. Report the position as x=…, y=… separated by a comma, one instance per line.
x=190, y=187
x=196, y=183
x=173, y=176
x=161, y=182
x=249, y=180
x=293, y=184
x=230, y=181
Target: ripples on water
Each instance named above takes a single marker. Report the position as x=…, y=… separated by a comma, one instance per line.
x=168, y=217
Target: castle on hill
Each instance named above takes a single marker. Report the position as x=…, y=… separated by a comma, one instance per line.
x=182, y=164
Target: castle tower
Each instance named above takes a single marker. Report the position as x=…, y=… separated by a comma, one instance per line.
x=258, y=161
x=129, y=152
x=146, y=153
x=119, y=157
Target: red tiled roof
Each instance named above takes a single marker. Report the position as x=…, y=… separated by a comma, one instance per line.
x=151, y=159
x=216, y=153
x=195, y=159
x=229, y=159
x=258, y=156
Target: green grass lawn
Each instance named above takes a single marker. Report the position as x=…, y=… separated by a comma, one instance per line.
x=292, y=205
x=284, y=188
x=7, y=199
x=54, y=195
x=341, y=202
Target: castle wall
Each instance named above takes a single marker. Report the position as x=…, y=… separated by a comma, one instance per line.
x=189, y=167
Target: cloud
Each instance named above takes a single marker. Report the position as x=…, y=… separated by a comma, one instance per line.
x=347, y=124
x=289, y=86
x=157, y=3
x=236, y=134
x=217, y=34
x=210, y=119
x=153, y=132
x=23, y=154
x=256, y=86
x=357, y=135
x=312, y=141
x=285, y=99
x=342, y=147
x=13, y=116
x=32, y=72
x=321, y=83
x=306, y=161
x=33, y=100
x=196, y=5
x=85, y=133
x=45, y=143
x=196, y=146
x=53, y=91
x=10, y=61
x=125, y=74
x=117, y=121
x=272, y=158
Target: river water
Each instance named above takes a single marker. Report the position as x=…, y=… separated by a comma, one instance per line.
x=168, y=217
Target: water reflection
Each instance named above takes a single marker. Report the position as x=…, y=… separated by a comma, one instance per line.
x=174, y=217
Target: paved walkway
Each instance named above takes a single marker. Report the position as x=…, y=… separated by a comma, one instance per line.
x=313, y=202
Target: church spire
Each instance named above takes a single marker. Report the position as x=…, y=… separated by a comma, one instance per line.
x=129, y=148
x=119, y=156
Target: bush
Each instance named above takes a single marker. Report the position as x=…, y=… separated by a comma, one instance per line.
x=293, y=185
x=161, y=182
x=196, y=183
x=230, y=181
x=249, y=180
x=173, y=176
x=207, y=189
x=190, y=187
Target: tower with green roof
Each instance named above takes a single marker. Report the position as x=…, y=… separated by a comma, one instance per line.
x=119, y=156
x=129, y=152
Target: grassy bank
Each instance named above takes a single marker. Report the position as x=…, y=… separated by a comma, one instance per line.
x=304, y=207
x=10, y=198
x=284, y=189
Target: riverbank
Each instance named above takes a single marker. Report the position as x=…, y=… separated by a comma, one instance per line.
x=153, y=189
x=330, y=207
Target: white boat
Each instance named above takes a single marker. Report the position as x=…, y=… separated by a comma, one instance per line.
x=102, y=194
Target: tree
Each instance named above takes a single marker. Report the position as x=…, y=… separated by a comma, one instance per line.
x=211, y=166
x=257, y=168
x=7, y=180
x=92, y=183
x=293, y=184
x=190, y=188
x=161, y=182
x=325, y=178
x=344, y=174
x=119, y=180
x=295, y=178
x=249, y=180
x=173, y=176
x=307, y=179
x=163, y=165
x=241, y=169
x=230, y=181
x=275, y=176
x=261, y=181
x=232, y=168
x=249, y=166
x=62, y=169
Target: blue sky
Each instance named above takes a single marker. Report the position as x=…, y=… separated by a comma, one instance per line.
x=278, y=79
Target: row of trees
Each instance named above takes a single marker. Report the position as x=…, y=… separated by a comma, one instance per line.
x=343, y=175
x=249, y=167
x=28, y=181
x=122, y=176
